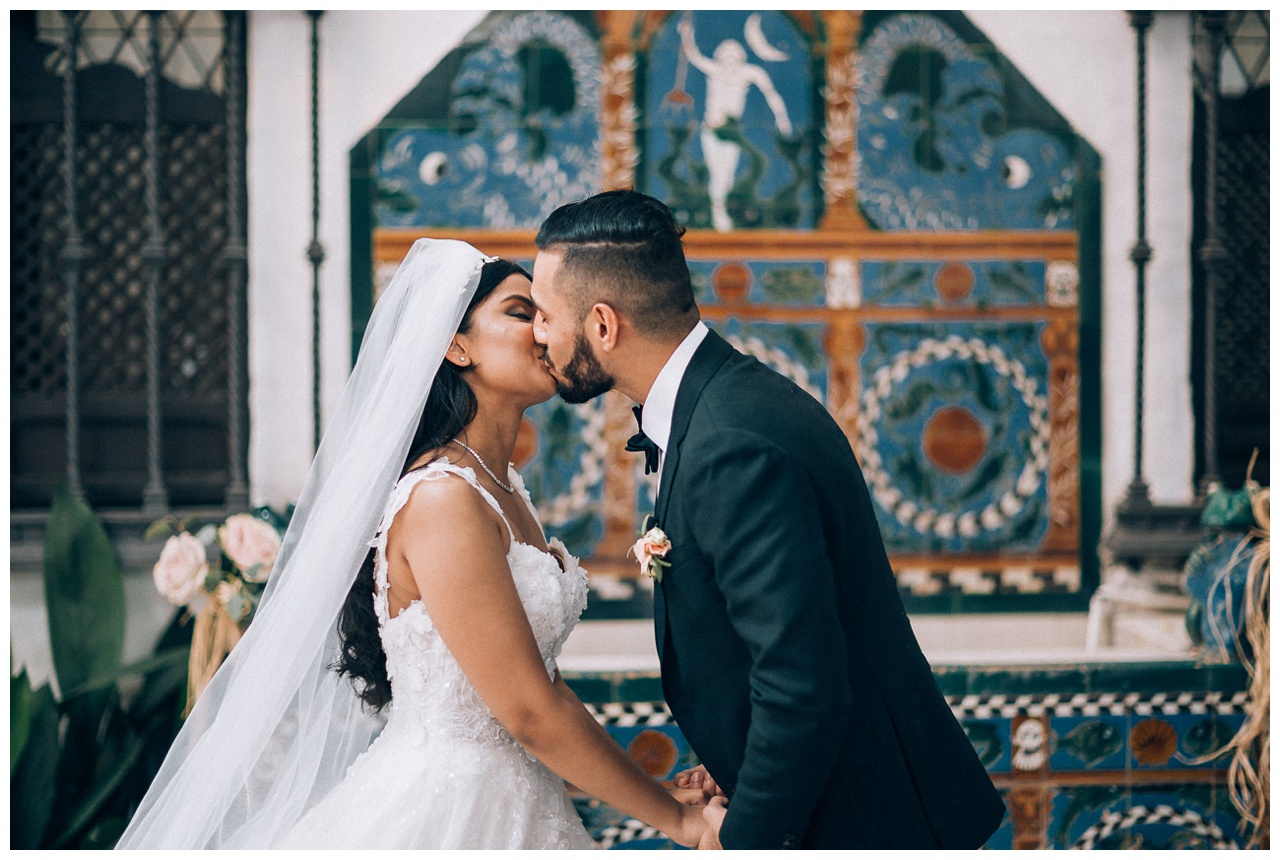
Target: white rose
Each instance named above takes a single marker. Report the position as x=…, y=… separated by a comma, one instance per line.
x=249, y=541
x=180, y=572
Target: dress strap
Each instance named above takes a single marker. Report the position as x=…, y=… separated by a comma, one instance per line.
x=434, y=470
x=518, y=482
x=399, y=496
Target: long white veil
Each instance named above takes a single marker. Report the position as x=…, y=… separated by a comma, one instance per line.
x=277, y=728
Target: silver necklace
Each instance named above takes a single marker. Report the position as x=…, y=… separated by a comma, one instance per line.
x=508, y=487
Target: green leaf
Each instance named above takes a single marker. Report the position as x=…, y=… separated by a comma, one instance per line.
x=84, y=593
x=157, y=529
x=170, y=683
x=104, y=835
x=19, y=717
x=166, y=686
x=32, y=783
x=237, y=607
x=85, y=748
x=101, y=791
x=147, y=665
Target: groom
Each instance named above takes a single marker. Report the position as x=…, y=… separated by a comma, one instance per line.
x=787, y=658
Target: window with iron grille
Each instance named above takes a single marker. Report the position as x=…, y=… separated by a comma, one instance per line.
x=127, y=257
x=1232, y=326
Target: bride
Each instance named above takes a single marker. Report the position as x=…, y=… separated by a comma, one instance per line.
x=450, y=626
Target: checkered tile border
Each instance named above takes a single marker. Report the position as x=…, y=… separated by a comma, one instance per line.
x=927, y=582
x=1186, y=819
x=627, y=714
x=1095, y=704
x=625, y=831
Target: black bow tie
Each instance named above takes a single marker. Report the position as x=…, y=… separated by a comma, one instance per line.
x=641, y=442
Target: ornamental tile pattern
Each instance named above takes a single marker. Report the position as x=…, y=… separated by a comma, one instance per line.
x=879, y=207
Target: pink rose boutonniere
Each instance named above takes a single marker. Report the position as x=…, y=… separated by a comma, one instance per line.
x=651, y=551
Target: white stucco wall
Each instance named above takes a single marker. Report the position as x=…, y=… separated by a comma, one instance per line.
x=368, y=62
x=1082, y=62
x=1085, y=64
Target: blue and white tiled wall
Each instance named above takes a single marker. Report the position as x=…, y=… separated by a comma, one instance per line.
x=1117, y=761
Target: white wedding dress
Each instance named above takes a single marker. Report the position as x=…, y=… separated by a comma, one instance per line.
x=444, y=773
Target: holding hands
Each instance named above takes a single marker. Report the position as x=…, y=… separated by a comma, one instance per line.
x=697, y=777
x=697, y=789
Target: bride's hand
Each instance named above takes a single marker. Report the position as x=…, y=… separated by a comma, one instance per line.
x=697, y=777
x=690, y=827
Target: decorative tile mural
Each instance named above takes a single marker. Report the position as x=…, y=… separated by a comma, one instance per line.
x=937, y=149
x=954, y=435
x=936, y=284
x=1115, y=761
x=879, y=207
x=728, y=134
x=564, y=451
x=520, y=137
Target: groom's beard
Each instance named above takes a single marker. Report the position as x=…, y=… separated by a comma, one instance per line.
x=584, y=378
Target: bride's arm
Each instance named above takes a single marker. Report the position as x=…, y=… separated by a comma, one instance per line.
x=456, y=548
x=689, y=793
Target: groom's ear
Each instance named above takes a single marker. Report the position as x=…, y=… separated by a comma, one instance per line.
x=603, y=324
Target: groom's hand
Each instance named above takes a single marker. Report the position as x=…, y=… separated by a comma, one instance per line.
x=714, y=813
x=689, y=796
x=697, y=777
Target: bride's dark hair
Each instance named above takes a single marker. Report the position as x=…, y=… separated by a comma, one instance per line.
x=450, y=407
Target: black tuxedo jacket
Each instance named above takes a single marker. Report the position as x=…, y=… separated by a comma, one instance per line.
x=787, y=657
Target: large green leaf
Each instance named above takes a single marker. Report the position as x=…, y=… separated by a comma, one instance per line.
x=160, y=661
x=84, y=593
x=19, y=716
x=32, y=783
x=105, y=785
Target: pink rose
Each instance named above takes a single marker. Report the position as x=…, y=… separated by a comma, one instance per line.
x=180, y=572
x=249, y=541
x=650, y=550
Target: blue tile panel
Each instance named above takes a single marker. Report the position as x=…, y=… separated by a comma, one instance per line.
x=936, y=147
x=1155, y=817
x=565, y=478
x=748, y=157
x=522, y=137
x=769, y=283
x=933, y=284
x=954, y=435
x=1079, y=768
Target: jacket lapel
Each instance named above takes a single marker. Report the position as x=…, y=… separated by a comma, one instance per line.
x=711, y=353
x=708, y=357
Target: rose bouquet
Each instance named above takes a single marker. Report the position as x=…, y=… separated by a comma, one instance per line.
x=223, y=596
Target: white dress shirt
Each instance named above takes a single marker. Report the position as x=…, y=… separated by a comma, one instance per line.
x=660, y=404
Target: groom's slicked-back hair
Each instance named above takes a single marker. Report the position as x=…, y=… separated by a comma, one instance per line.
x=623, y=248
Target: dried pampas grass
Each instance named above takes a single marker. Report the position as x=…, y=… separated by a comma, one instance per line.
x=1249, y=774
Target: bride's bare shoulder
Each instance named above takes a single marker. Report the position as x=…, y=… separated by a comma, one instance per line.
x=443, y=504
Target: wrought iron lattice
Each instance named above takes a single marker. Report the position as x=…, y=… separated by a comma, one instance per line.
x=113, y=214
x=195, y=298
x=191, y=44
x=1243, y=317
x=1245, y=60
x=37, y=347
x=109, y=174
x=1232, y=180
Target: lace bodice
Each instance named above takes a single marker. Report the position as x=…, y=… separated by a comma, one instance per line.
x=431, y=697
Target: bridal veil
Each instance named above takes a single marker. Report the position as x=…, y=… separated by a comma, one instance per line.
x=276, y=728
